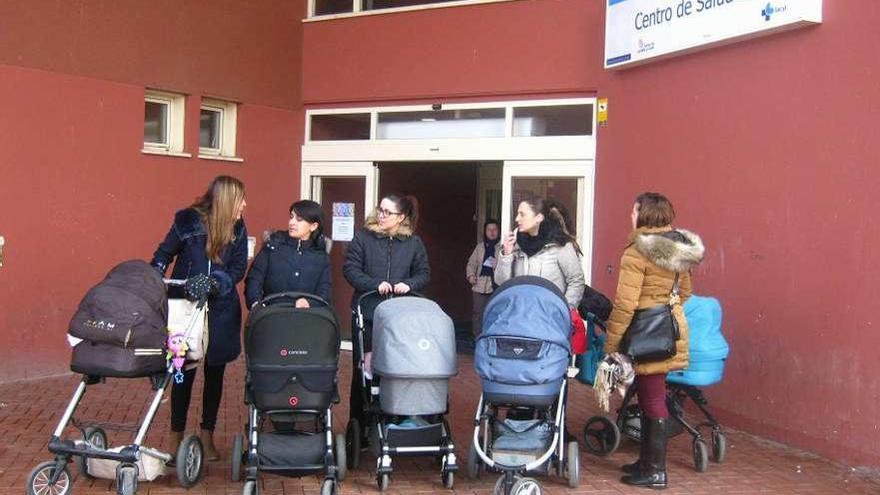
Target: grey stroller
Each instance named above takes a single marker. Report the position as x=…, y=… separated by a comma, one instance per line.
x=412, y=360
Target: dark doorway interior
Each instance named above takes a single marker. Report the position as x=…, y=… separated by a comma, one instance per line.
x=447, y=195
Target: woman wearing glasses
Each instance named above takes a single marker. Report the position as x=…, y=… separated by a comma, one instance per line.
x=387, y=256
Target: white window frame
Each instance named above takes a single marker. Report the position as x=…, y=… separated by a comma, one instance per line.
x=174, y=124
x=584, y=171
x=358, y=12
x=228, y=111
x=508, y=147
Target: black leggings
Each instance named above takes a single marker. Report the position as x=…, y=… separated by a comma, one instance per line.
x=181, y=393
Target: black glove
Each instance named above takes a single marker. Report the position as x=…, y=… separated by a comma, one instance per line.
x=200, y=286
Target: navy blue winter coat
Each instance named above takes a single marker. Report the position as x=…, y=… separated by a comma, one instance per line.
x=287, y=264
x=186, y=241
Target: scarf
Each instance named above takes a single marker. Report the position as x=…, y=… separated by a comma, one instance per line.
x=531, y=245
x=487, y=269
x=615, y=372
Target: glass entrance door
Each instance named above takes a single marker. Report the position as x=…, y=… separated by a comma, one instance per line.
x=346, y=191
x=568, y=181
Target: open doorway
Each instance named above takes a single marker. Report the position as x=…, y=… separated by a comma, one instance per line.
x=454, y=199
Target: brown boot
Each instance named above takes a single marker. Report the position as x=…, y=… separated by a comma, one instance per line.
x=207, y=438
x=174, y=439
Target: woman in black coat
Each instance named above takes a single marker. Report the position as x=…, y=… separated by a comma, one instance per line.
x=294, y=260
x=387, y=256
x=208, y=239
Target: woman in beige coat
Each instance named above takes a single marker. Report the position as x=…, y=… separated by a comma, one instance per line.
x=541, y=245
x=650, y=262
x=480, y=271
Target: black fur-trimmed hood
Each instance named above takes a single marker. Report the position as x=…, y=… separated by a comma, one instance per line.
x=675, y=250
x=188, y=223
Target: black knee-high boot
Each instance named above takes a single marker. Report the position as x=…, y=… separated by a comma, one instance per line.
x=653, y=473
x=637, y=466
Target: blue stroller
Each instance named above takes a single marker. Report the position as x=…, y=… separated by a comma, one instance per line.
x=522, y=358
x=708, y=352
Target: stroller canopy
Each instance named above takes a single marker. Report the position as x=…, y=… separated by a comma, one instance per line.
x=525, y=338
x=132, y=295
x=528, y=307
x=706, y=342
x=413, y=338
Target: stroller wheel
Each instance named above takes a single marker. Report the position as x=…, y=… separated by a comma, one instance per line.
x=601, y=436
x=236, y=456
x=573, y=466
x=251, y=488
x=341, y=461
x=526, y=486
x=39, y=480
x=328, y=487
x=126, y=479
x=719, y=446
x=353, y=443
x=473, y=462
x=701, y=455
x=189, y=461
x=448, y=479
x=499, y=488
x=384, y=481
x=98, y=439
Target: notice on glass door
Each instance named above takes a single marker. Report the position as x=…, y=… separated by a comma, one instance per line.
x=343, y=222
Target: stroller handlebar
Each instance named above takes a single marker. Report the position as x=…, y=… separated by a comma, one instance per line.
x=292, y=295
x=390, y=295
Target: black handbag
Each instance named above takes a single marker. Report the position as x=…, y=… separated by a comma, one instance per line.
x=652, y=333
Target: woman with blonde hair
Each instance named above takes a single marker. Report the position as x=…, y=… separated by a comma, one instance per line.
x=208, y=240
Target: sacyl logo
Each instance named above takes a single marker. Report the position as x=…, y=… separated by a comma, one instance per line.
x=769, y=10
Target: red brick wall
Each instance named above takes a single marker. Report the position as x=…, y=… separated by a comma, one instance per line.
x=77, y=194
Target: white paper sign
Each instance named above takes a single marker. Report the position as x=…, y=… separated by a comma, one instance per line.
x=343, y=222
x=640, y=30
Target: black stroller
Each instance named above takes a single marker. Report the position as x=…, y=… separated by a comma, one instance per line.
x=708, y=352
x=118, y=331
x=405, y=387
x=292, y=355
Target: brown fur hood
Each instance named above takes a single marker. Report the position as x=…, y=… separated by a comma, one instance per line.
x=674, y=250
x=403, y=231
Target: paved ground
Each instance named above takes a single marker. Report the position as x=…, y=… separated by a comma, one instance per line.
x=30, y=410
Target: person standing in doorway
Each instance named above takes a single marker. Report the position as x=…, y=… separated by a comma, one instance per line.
x=481, y=271
x=386, y=255
x=654, y=257
x=208, y=239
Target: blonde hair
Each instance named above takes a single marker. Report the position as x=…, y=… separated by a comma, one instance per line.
x=218, y=208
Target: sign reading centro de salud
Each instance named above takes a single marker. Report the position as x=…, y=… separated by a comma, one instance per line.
x=637, y=31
